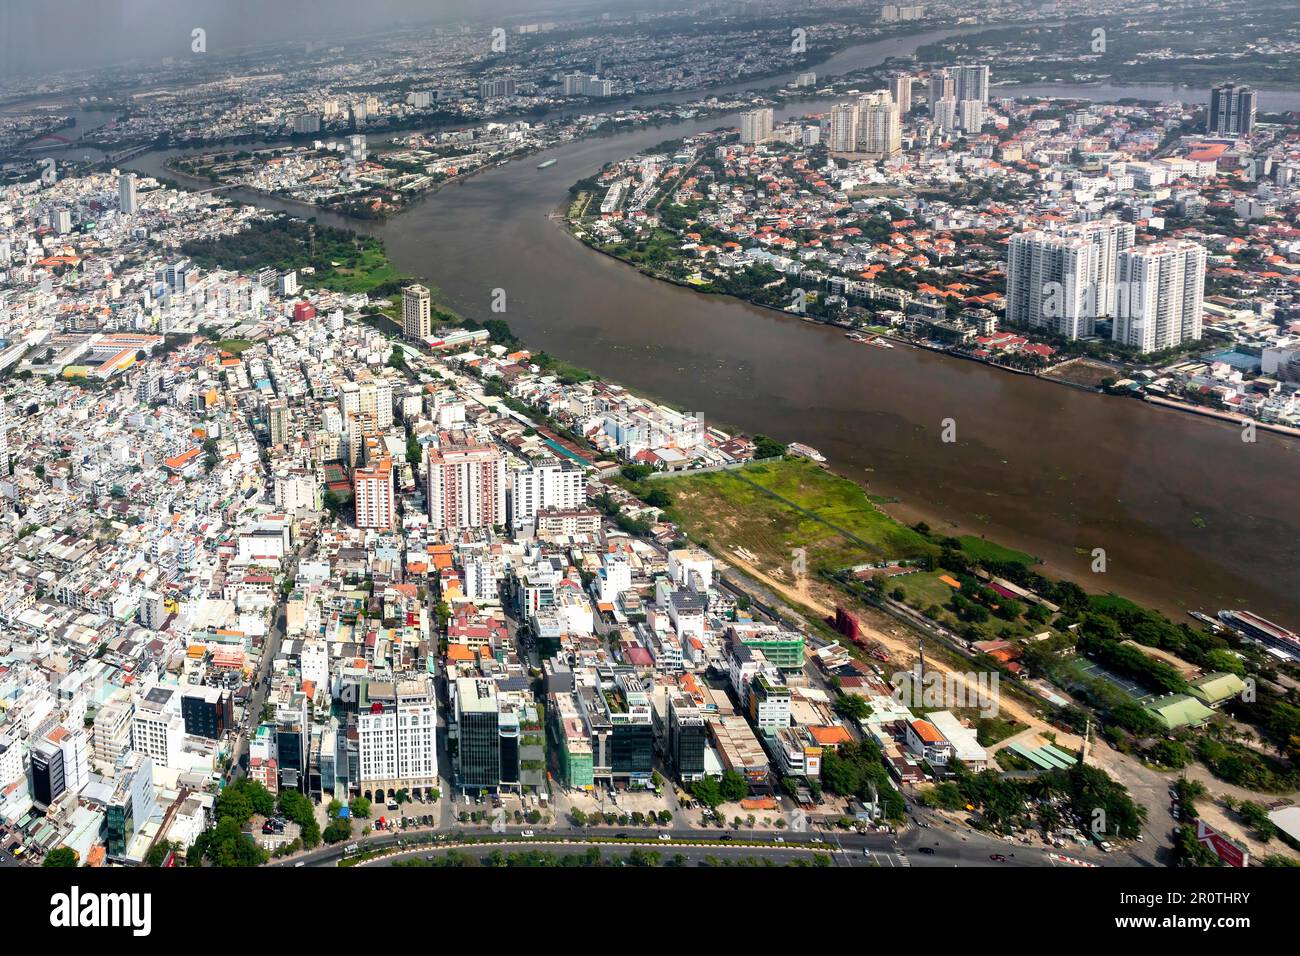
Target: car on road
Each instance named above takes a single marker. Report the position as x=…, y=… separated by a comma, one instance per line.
x=526, y=833
x=997, y=857
x=780, y=839
x=928, y=850
x=664, y=836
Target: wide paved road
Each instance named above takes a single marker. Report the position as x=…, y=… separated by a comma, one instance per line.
x=846, y=849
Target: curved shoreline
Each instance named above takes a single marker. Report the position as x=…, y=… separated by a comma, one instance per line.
x=1221, y=562
x=1041, y=375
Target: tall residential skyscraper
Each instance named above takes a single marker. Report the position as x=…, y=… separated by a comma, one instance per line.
x=1161, y=288
x=1111, y=236
x=944, y=113
x=126, y=194
x=1054, y=282
x=374, y=493
x=972, y=82
x=878, y=127
x=756, y=125
x=844, y=128
x=1050, y=282
x=900, y=88
x=970, y=116
x=466, y=484
x=416, y=312
x=943, y=86
x=1232, y=111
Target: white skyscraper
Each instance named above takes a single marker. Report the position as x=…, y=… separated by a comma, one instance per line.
x=374, y=494
x=1054, y=282
x=157, y=728
x=878, y=130
x=1050, y=282
x=944, y=113
x=126, y=194
x=970, y=116
x=1111, y=236
x=972, y=82
x=900, y=88
x=844, y=128
x=416, y=308
x=943, y=85
x=756, y=125
x=1160, y=291
x=546, y=484
x=5, y=470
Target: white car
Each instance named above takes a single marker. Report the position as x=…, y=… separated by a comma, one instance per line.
x=664, y=836
x=526, y=833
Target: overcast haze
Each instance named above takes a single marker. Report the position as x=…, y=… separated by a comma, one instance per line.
x=40, y=37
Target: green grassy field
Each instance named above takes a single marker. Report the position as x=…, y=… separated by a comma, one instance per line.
x=923, y=589
x=726, y=510
x=980, y=549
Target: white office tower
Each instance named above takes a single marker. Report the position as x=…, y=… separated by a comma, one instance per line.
x=1160, y=292
x=972, y=82
x=879, y=132
x=75, y=744
x=466, y=483
x=126, y=194
x=970, y=116
x=756, y=125
x=943, y=86
x=417, y=322
x=157, y=728
x=844, y=128
x=547, y=484
x=900, y=89
x=397, y=738
x=1050, y=279
x=111, y=736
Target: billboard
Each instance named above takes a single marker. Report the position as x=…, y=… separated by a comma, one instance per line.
x=1230, y=852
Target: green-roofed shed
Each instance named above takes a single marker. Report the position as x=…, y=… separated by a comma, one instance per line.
x=1214, y=689
x=1179, y=710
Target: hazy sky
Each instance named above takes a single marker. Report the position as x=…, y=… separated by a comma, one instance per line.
x=42, y=35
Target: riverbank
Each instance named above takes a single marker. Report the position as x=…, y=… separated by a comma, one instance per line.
x=1053, y=472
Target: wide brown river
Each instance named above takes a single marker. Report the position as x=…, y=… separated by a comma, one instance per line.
x=1188, y=514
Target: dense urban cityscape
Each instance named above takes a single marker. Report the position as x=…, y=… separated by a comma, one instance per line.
x=910, y=483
